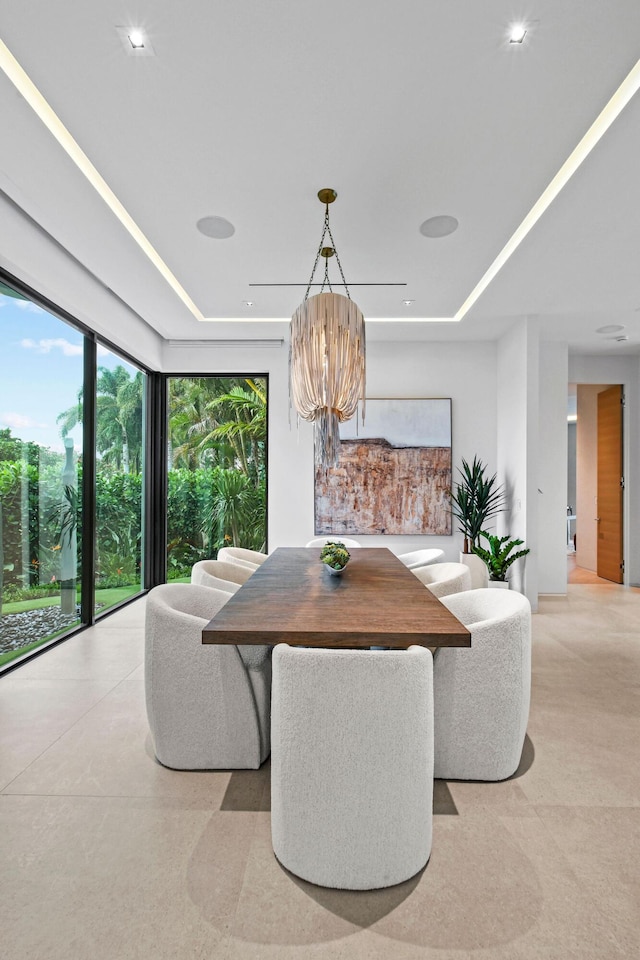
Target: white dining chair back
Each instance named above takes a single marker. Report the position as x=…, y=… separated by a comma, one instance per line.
x=243, y=557
x=352, y=764
x=220, y=575
x=443, y=579
x=420, y=558
x=482, y=693
x=321, y=541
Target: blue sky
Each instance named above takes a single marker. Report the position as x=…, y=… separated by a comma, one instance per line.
x=40, y=371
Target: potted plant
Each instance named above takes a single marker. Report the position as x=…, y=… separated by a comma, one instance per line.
x=499, y=557
x=336, y=556
x=475, y=499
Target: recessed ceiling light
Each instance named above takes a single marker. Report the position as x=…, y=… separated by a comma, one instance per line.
x=408, y=303
x=610, y=328
x=517, y=33
x=216, y=227
x=438, y=226
x=248, y=303
x=135, y=41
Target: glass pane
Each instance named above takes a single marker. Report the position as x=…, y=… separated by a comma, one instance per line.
x=41, y=370
x=217, y=468
x=120, y=391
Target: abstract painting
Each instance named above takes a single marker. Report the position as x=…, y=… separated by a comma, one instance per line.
x=393, y=474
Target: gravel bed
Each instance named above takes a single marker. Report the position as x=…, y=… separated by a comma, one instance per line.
x=20, y=629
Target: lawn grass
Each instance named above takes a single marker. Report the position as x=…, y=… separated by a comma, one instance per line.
x=104, y=598
x=109, y=598
x=19, y=606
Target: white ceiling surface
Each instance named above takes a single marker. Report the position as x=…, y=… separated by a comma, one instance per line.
x=409, y=110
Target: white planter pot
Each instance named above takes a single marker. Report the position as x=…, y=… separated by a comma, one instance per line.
x=479, y=574
x=498, y=584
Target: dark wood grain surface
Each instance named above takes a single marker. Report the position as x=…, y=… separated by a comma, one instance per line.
x=377, y=601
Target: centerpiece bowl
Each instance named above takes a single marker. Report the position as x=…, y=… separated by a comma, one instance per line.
x=335, y=557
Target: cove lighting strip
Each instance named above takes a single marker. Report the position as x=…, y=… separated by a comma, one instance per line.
x=55, y=126
x=596, y=131
x=50, y=119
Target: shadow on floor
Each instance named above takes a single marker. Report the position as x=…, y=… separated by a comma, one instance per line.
x=249, y=791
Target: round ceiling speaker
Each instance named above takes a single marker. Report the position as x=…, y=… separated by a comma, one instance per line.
x=216, y=227
x=438, y=226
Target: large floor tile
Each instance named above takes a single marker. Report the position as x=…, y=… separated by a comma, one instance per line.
x=34, y=714
x=603, y=848
x=87, y=878
x=98, y=653
x=110, y=753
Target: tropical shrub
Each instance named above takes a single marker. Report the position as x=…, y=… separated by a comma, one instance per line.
x=499, y=557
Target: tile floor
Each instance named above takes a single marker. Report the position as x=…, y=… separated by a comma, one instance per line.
x=576, y=574
x=105, y=855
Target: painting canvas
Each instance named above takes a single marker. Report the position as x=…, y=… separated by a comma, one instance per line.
x=393, y=474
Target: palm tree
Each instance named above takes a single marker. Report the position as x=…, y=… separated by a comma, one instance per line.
x=218, y=419
x=70, y=418
x=118, y=418
x=245, y=425
x=230, y=505
x=189, y=417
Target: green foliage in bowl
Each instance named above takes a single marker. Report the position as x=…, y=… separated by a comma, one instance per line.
x=335, y=555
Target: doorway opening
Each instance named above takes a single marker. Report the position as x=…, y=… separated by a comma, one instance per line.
x=595, y=483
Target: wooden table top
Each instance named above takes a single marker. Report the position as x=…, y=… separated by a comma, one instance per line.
x=292, y=598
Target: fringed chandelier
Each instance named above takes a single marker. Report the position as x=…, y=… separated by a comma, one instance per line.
x=327, y=353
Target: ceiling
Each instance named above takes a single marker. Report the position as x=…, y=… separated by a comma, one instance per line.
x=409, y=110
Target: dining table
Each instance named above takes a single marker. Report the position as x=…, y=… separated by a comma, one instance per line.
x=376, y=601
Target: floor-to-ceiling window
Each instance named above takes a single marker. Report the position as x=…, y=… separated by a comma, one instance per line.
x=120, y=392
x=41, y=378
x=72, y=460
x=217, y=468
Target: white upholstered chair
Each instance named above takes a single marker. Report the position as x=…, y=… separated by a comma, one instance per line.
x=320, y=541
x=482, y=693
x=243, y=557
x=208, y=704
x=352, y=764
x=444, y=578
x=420, y=558
x=220, y=575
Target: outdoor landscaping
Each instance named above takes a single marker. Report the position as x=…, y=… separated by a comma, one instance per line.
x=216, y=496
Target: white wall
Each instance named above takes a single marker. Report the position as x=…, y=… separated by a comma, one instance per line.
x=29, y=254
x=552, y=469
x=517, y=445
x=464, y=372
x=624, y=370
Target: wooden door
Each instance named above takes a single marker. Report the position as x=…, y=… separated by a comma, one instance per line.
x=610, y=484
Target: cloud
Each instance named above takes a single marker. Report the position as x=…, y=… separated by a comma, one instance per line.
x=46, y=346
x=19, y=421
x=28, y=306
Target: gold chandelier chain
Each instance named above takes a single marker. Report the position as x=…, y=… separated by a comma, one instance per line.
x=344, y=282
x=326, y=229
x=326, y=277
